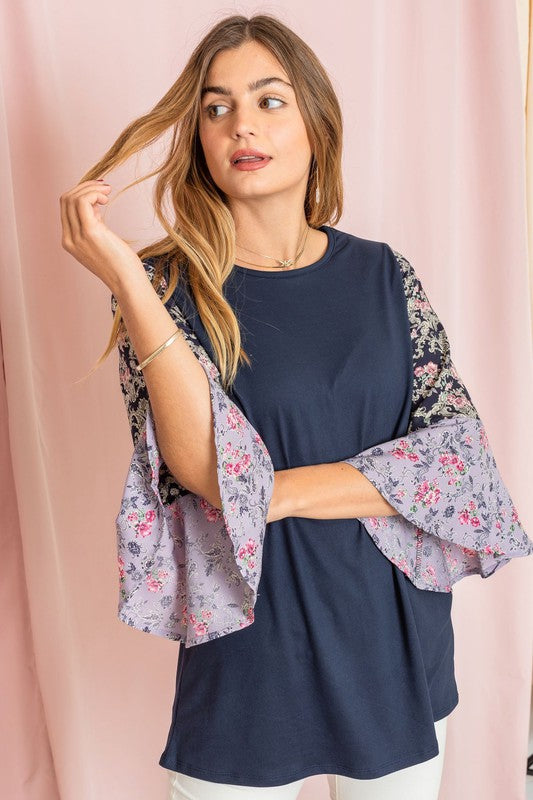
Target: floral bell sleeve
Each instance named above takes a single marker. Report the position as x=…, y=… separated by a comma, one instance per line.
x=189, y=571
x=456, y=517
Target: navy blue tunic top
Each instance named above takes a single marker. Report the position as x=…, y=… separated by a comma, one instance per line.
x=347, y=664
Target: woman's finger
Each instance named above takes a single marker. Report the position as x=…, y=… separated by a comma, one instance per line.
x=86, y=207
x=69, y=220
x=87, y=190
x=77, y=212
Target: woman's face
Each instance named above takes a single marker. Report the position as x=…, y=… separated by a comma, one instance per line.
x=267, y=118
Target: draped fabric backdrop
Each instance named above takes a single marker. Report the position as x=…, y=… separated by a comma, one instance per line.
x=435, y=164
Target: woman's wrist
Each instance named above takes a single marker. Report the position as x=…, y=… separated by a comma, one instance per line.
x=280, y=502
x=128, y=280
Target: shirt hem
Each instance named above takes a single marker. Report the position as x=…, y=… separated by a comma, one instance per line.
x=314, y=769
x=305, y=772
x=438, y=715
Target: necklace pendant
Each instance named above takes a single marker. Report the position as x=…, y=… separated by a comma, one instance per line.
x=288, y=262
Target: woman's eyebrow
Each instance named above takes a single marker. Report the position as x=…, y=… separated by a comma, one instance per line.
x=252, y=87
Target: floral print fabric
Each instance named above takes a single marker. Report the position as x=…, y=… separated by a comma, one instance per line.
x=190, y=572
x=456, y=517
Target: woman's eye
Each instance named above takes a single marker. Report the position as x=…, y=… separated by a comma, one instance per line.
x=211, y=108
x=273, y=98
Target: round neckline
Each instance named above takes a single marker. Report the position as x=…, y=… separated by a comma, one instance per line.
x=291, y=273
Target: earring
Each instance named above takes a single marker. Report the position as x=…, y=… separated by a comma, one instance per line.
x=317, y=190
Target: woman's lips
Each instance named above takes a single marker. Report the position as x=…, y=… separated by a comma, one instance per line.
x=249, y=164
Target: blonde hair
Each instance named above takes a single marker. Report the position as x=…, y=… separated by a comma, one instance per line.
x=202, y=236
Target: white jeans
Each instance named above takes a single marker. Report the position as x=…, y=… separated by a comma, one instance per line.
x=418, y=782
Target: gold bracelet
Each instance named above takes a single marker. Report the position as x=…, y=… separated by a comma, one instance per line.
x=156, y=352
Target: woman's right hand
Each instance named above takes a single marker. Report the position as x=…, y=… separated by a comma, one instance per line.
x=86, y=237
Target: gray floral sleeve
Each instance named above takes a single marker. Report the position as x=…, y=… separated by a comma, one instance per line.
x=187, y=570
x=456, y=517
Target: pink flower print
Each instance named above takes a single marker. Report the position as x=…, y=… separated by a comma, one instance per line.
x=249, y=612
x=399, y=494
x=246, y=551
x=143, y=529
x=206, y=614
x=228, y=466
x=514, y=515
x=211, y=513
x=454, y=467
x=493, y=550
x=234, y=418
x=430, y=369
x=428, y=493
x=452, y=562
x=378, y=522
x=429, y=575
x=468, y=517
x=153, y=584
x=404, y=450
x=483, y=438
x=446, y=549
x=402, y=564
x=257, y=439
x=237, y=468
x=237, y=463
x=149, y=515
x=200, y=628
x=456, y=400
x=132, y=516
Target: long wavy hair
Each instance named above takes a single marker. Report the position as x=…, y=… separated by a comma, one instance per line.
x=201, y=233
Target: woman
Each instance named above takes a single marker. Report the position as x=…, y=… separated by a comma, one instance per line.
x=313, y=615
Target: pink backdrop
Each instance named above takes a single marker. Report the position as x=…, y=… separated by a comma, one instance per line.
x=434, y=164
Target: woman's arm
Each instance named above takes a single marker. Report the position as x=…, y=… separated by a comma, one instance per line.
x=177, y=386
x=328, y=491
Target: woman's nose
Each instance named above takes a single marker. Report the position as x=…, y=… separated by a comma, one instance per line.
x=244, y=123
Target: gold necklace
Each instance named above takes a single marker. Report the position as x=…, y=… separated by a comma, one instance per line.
x=284, y=263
